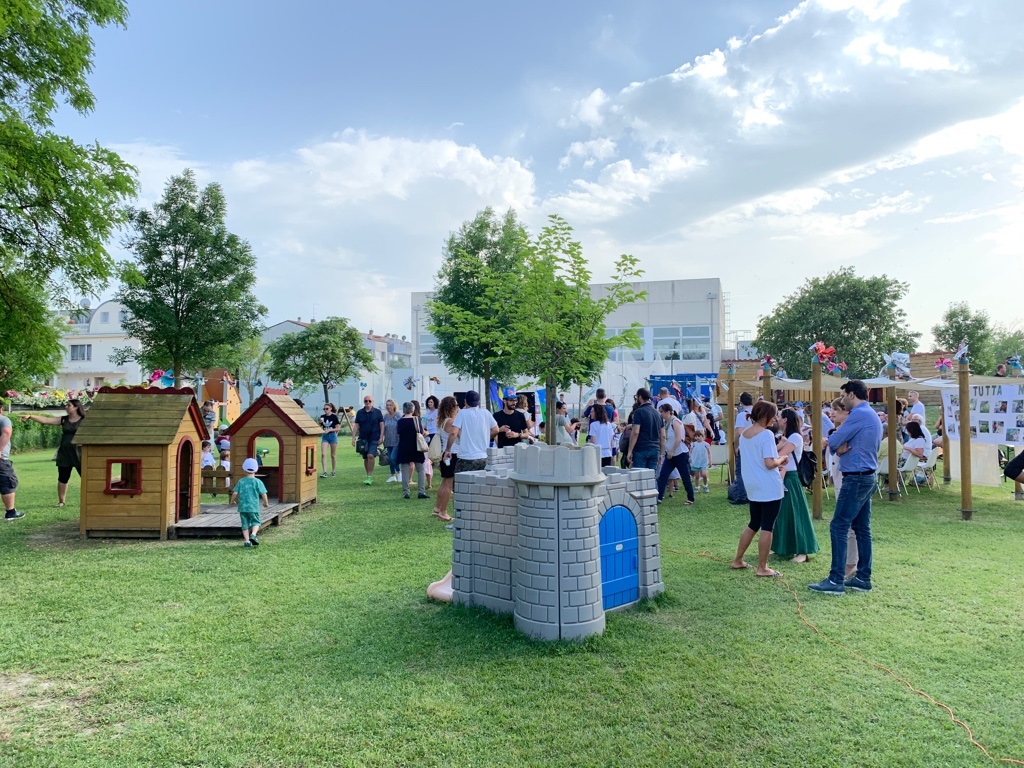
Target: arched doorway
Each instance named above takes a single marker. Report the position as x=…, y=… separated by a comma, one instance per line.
x=267, y=448
x=185, y=479
x=620, y=575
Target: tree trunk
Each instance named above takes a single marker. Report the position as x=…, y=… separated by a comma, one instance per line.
x=176, y=363
x=550, y=396
x=487, y=385
x=326, y=398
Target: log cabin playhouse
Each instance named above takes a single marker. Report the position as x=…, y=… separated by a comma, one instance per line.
x=294, y=479
x=140, y=461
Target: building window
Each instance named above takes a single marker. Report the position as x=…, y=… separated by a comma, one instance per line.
x=124, y=477
x=687, y=342
x=427, y=354
x=310, y=460
x=122, y=315
x=81, y=352
x=104, y=317
x=624, y=354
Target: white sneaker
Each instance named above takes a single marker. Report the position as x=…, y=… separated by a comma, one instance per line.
x=706, y=489
x=392, y=479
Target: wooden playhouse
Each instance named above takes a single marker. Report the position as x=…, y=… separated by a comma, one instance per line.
x=290, y=472
x=140, y=461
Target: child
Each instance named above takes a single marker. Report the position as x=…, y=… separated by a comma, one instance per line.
x=225, y=463
x=207, y=458
x=248, y=494
x=700, y=460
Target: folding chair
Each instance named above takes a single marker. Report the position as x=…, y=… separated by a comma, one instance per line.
x=928, y=467
x=905, y=466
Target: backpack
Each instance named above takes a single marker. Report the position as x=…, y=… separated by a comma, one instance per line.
x=807, y=469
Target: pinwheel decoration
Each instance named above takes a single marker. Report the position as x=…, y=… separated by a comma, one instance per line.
x=1013, y=363
x=897, y=366
x=961, y=352
x=436, y=380
x=288, y=384
x=827, y=357
x=409, y=383
x=730, y=368
x=767, y=363
x=943, y=365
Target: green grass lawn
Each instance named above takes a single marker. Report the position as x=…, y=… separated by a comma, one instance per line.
x=320, y=648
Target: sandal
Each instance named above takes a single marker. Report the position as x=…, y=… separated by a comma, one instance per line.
x=59, y=505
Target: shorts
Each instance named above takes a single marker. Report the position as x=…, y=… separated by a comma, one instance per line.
x=64, y=473
x=249, y=519
x=470, y=465
x=331, y=438
x=8, y=478
x=448, y=470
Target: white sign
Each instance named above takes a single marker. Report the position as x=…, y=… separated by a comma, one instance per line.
x=997, y=414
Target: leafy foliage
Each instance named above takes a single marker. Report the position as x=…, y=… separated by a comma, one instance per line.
x=189, y=291
x=327, y=353
x=555, y=320
x=1007, y=340
x=959, y=323
x=59, y=202
x=249, y=360
x=859, y=316
x=470, y=321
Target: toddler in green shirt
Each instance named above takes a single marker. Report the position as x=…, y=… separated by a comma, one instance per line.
x=247, y=494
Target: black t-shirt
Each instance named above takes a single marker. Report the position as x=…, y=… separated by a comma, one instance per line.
x=369, y=423
x=588, y=412
x=329, y=421
x=650, y=428
x=515, y=421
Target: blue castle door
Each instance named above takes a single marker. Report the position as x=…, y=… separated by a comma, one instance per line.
x=620, y=577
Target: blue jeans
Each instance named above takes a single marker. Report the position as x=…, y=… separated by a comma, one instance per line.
x=393, y=459
x=646, y=459
x=682, y=463
x=853, y=510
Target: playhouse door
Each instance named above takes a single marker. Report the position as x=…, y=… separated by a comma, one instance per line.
x=186, y=468
x=620, y=577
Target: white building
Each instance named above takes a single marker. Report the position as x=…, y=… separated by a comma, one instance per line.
x=91, y=338
x=683, y=328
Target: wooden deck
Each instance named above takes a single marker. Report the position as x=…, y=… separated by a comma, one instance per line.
x=222, y=519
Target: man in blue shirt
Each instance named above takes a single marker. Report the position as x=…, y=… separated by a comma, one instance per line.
x=856, y=443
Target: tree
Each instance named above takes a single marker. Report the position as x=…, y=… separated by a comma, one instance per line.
x=1007, y=340
x=556, y=323
x=59, y=202
x=328, y=353
x=469, y=323
x=189, y=291
x=959, y=323
x=249, y=360
x=859, y=316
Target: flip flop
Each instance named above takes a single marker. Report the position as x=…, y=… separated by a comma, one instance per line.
x=744, y=567
x=772, y=575
x=59, y=505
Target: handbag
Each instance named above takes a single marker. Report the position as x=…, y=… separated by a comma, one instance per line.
x=361, y=446
x=421, y=441
x=434, y=452
x=807, y=469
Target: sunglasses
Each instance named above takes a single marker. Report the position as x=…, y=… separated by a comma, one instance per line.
x=367, y=401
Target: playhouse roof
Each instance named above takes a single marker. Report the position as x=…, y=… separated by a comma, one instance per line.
x=296, y=419
x=139, y=416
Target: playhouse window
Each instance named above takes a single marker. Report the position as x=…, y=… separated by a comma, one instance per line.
x=310, y=458
x=124, y=476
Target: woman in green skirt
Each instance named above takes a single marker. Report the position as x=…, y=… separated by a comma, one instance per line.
x=794, y=533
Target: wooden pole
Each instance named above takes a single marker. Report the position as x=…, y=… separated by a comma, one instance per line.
x=766, y=387
x=816, y=438
x=964, y=429
x=894, y=449
x=730, y=424
x=947, y=461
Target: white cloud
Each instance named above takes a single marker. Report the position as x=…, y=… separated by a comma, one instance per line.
x=588, y=151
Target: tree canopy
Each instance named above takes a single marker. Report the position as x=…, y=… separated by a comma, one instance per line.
x=557, y=324
x=469, y=323
x=188, y=291
x=958, y=323
x=59, y=201
x=859, y=316
x=327, y=353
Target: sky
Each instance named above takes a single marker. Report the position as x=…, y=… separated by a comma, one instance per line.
x=762, y=142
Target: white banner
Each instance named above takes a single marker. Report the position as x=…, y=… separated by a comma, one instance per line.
x=997, y=414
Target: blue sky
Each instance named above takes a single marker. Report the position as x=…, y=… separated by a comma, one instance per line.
x=761, y=142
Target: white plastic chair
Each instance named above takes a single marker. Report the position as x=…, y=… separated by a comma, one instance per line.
x=928, y=467
x=720, y=458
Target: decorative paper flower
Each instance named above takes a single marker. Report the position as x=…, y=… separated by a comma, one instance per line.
x=961, y=351
x=156, y=375
x=409, y=383
x=767, y=363
x=826, y=356
x=1013, y=363
x=943, y=364
x=288, y=384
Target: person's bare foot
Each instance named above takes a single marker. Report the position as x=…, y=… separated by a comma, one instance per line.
x=799, y=559
x=739, y=565
x=768, y=573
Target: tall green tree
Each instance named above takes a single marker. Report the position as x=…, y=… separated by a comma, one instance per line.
x=327, y=353
x=1007, y=340
x=469, y=312
x=188, y=291
x=249, y=361
x=860, y=316
x=959, y=322
x=557, y=324
x=59, y=201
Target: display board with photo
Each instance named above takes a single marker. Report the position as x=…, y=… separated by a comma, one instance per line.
x=997, y=414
